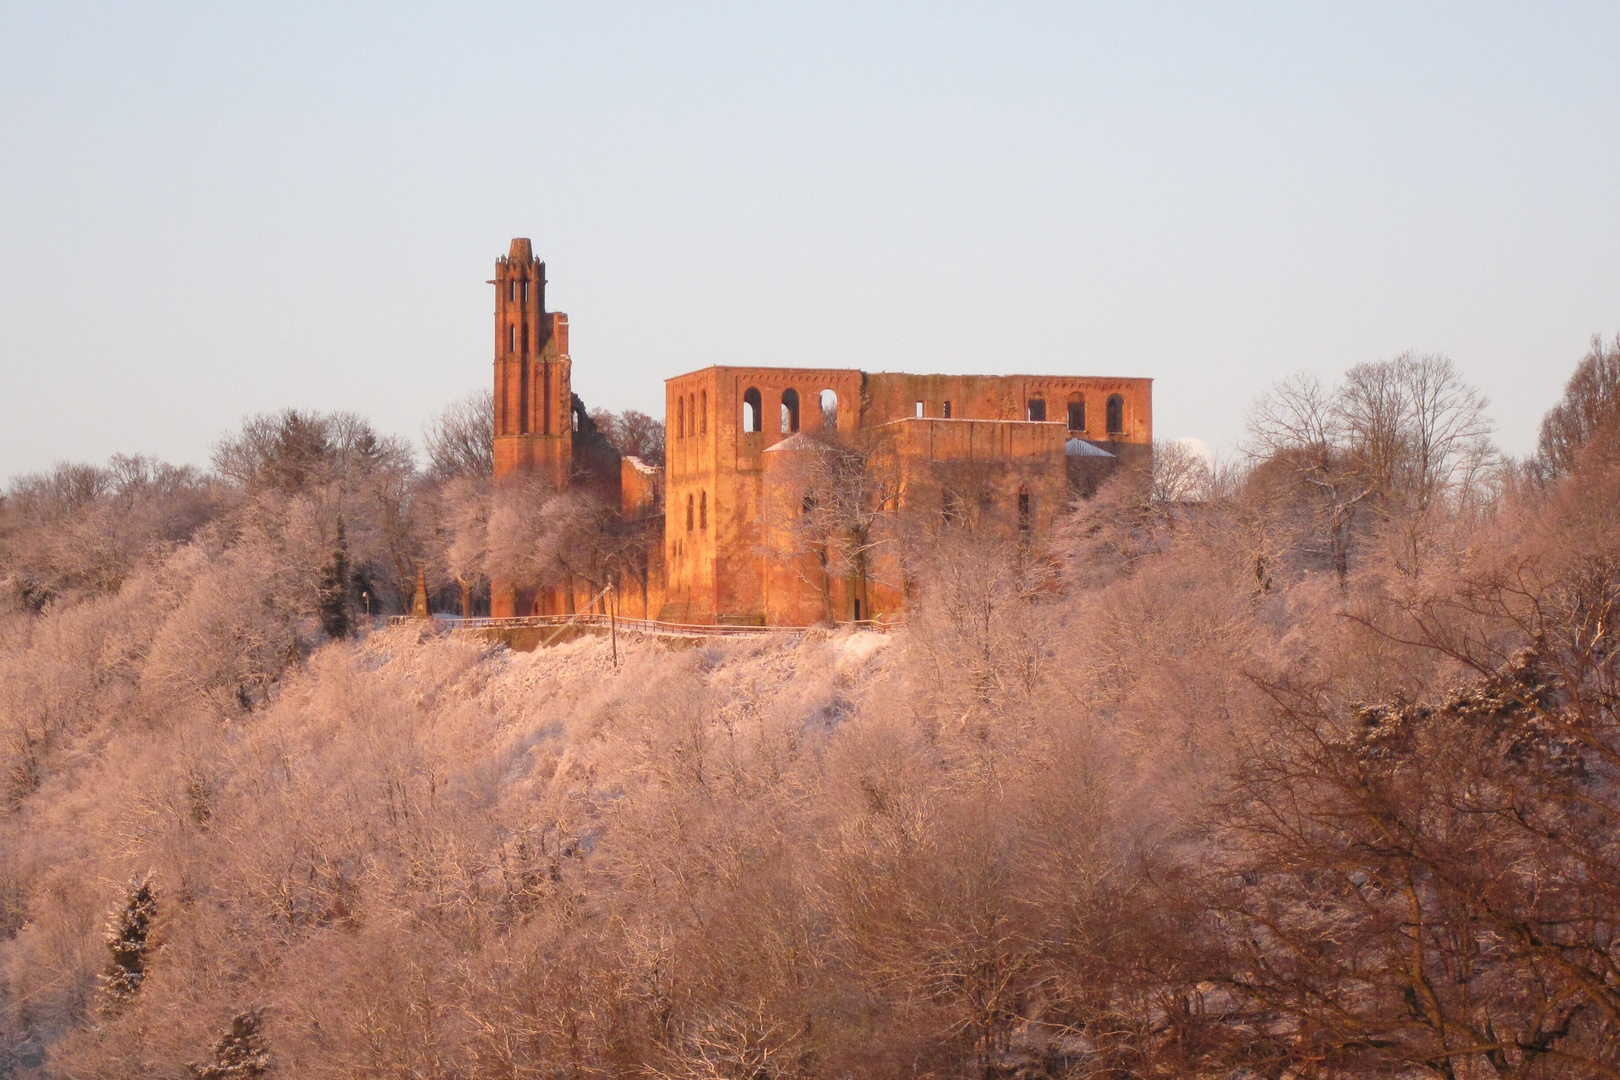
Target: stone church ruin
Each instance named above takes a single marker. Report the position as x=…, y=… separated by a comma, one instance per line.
x=786, y=492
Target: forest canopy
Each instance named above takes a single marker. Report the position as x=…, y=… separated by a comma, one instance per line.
x=1303, y=764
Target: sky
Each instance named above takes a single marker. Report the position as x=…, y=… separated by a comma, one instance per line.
x=213, y=210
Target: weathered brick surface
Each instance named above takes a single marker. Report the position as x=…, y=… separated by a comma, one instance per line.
x=998, y=438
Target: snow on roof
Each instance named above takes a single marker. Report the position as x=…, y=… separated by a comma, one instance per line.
x=1081, y=448
x=801, y=441
x=641, y=466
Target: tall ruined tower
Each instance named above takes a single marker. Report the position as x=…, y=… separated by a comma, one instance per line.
x=534, y=416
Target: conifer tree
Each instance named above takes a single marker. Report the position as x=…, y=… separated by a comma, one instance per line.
x=128, y=935
x=239, y=1054
x=335, y=588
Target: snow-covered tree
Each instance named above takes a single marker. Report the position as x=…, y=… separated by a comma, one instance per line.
x=128, y=938
x=241, y=1053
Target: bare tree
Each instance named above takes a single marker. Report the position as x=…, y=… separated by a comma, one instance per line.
x=1589, y=409
x=633, y=433
x=461, y=440
x=1394, y=438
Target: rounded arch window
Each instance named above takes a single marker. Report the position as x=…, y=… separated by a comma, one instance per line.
x=703, y=511
x=689, y=513
x=1037, y=409
x=1116, y=415
x=703, y=413
x=680, y=418
x=790, y=411
x=752, y=413
x=829, y=410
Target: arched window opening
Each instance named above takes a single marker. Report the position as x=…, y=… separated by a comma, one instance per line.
x=790, y=411
x=919, y=409
x=525, y=291
x=511, y=289
x=576, y=413
x=689, y=513
x=691, y=414
x=1116, y=415
x=1037, y=409
x=703, y=414
x=513, y=346
x=1023, y=509
x=753, y=414
x=829, y=410
x=1077, y=414
x=945, y=409
x=680, y=418
x=703, y=511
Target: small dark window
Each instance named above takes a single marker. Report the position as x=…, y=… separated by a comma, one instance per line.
x=1077, y=415
x=945, y=410
x=1116, y=415
x=753, y=416
x=703, y=511
x=1037, y=409
x=857, y=609
x=703, y=414
x=790, y=411
x=680, y=418
x=689, y=513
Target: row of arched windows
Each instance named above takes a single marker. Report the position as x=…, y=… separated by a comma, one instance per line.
x=753, y=410
x=1114, y=410
x=692, y=415
x=692, y=411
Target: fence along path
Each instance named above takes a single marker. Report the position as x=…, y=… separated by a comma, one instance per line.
x=652, y=627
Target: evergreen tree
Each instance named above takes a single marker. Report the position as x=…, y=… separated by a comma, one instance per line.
x=335, y=589
x=128, y=938
x=240, y=1053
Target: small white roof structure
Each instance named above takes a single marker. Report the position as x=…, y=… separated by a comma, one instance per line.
x=797, y=441
x=1081, y=448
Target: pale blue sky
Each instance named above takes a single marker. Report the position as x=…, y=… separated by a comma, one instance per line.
x=215, y=209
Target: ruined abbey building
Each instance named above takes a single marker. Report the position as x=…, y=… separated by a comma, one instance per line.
x=784, y=489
